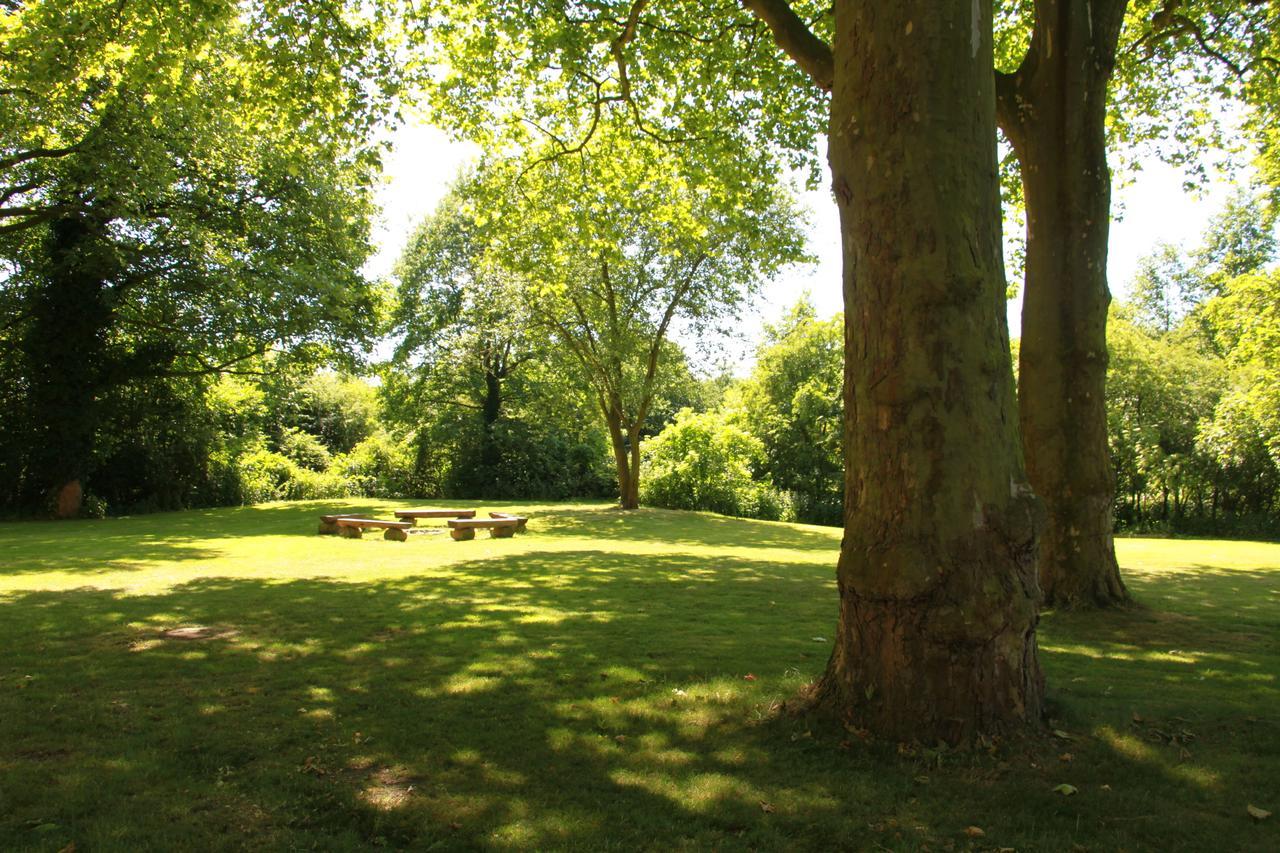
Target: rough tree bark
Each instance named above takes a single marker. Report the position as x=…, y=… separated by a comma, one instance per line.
x=937, y=571
x=1053, y=110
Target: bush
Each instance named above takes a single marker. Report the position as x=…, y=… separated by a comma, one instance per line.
x=381, y=467
x=304, y=449
x=266, y=476
x=707, y=462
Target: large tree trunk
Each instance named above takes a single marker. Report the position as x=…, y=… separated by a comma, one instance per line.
x=1053, y=110
x=65, y=353
x=937, y=571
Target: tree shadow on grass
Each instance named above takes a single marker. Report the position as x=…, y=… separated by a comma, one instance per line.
x=578, y=700
x=96, y=546
x=683, y=528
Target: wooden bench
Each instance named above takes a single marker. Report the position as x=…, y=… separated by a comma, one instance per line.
x=329, y=523
x=463, y=529
x=521, y=521
x=414, y=514
x=353, y=528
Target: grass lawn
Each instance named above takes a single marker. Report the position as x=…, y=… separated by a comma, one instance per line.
x=602, y=682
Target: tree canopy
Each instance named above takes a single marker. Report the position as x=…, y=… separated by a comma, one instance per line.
x=182, y=190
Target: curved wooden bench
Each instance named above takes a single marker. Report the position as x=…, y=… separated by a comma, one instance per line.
x=353, y=527
x=414, y=514
x=521, y=521
x=329, y=523
x=463, y=529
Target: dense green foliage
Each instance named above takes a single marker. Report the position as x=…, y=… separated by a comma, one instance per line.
x=709, y=462
x=182, y=191
x=1193, y=406
x=791, y=403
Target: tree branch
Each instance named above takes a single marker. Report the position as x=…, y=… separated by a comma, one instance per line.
x=794, y=37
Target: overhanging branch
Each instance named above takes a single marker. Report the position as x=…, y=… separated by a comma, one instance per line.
x=794, y=37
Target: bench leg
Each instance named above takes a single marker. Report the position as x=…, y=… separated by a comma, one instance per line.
x=395, y=534
x=462, y=534
x=328, y=528
x=503, y=532
x=350, y=532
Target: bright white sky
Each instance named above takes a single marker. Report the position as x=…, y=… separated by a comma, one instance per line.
x=1154, y=208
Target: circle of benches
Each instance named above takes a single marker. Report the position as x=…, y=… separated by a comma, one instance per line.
x=462, y=524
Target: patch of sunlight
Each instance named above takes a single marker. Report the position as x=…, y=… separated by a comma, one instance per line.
x=211, y=710
x=194, y=655
x=704, y=793
x=1092, y=652
x=144, y=645
x=353, y=652
x=537, y=832
x=320, y=714
x=734, y=755
x=1239, y=677
x=462, y=684
x=1127, y=745
x=543, y=616
x=560, y=739
x=320, y=694
x=1171, y=656
x=467, y=757
x=624, y=673
x=1137, y=750
x=471, y=621
x=665, y=756
x=517, y=836
x=387, y=789
x=499, y=776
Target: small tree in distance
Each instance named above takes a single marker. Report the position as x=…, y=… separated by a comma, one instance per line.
x=618, y=244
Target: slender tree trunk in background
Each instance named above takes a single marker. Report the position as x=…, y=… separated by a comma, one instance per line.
x=628, y=491
x=1053, y=110
x=937, y=570
x=65, y=355
x=631, y=499
x=490, y=411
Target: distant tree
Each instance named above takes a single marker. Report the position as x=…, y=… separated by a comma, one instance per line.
x=1164, y=290
x=474, y=372
x=791, y=402
x=617, y=243
x=1238, y=241
x=1246, y=318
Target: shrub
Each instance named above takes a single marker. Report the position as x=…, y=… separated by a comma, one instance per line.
x=304, y=449
x=267, y=476
x=708, y=462
x=380, y=466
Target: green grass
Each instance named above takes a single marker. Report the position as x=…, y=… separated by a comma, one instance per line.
x=604, y=681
